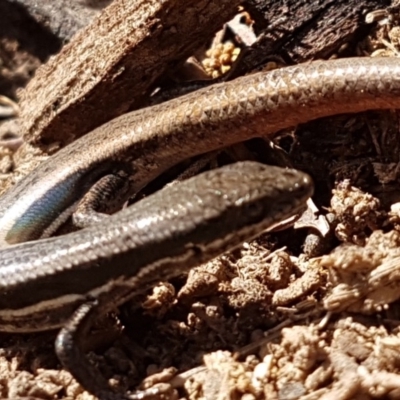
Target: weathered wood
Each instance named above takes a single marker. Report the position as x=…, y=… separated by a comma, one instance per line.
x=302, y=30
x=111, y=63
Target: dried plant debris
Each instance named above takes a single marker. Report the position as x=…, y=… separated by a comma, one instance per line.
x=357, y=213
x=365, y=278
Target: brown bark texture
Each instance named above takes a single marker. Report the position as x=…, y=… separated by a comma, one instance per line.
x=111, y=63
x=303, y=30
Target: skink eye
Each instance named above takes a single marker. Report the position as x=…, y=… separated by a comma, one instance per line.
x=254, y=210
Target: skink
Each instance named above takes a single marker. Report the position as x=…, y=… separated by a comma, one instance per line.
x=213, y=213
x=142, y=144
x=89, y=272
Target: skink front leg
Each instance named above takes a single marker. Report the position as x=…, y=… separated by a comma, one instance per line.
x=104, y=195
x=69, y=351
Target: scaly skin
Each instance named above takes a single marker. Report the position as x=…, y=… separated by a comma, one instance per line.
x=146, y=142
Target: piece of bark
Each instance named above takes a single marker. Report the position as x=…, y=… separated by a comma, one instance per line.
x=111, y=63
x=62, y=18
x=302, y=30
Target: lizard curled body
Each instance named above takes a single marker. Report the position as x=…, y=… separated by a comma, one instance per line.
x=144, y=143
x=67, y=281
x=86, y=273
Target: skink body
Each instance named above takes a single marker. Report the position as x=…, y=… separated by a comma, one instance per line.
x=144, y=143
x=43, y=281
x=69, y=280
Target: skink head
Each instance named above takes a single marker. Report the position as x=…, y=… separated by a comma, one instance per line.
x=247, y=198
